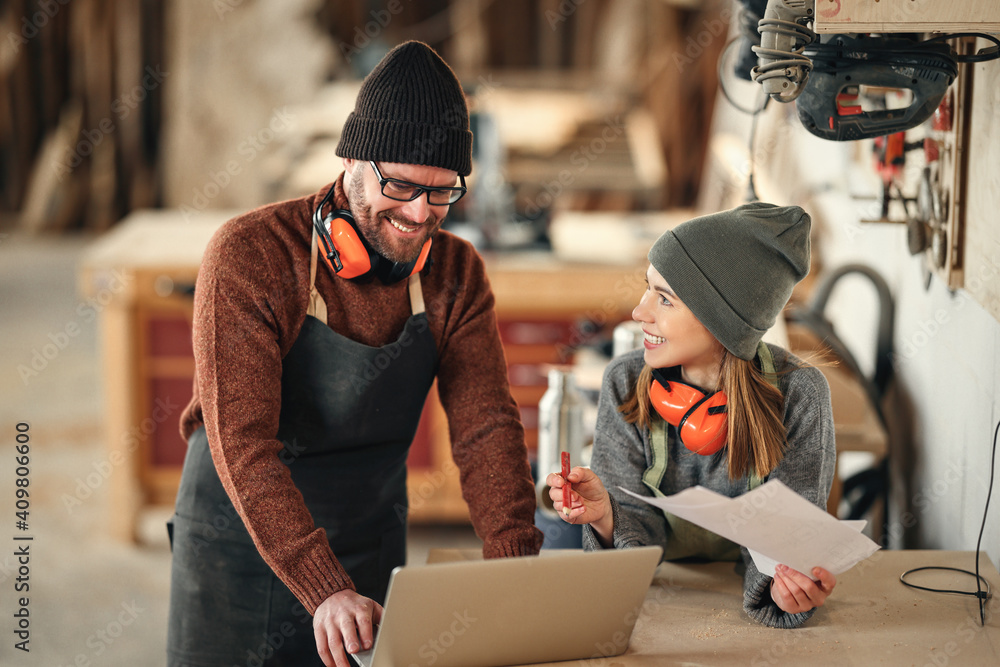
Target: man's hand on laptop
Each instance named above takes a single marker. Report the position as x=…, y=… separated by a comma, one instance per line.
x=345, y=622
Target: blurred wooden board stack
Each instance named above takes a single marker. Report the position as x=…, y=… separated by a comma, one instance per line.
x=79, y=128
x=106, y=107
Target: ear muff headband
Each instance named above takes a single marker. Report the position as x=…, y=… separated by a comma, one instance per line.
x=700, y=419
x=348, y=254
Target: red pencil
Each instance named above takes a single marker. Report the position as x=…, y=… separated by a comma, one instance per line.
x=567, y=487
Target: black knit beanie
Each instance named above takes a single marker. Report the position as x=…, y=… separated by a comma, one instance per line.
x=736, y=269
x=411, y=110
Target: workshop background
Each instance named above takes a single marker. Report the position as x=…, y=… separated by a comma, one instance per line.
x=129, y=130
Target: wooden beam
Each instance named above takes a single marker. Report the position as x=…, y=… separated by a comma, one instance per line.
x=839, y=16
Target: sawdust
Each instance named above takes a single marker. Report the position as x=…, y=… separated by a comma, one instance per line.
x=707, y=633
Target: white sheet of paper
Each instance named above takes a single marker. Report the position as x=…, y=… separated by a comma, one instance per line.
x=766, y=565
x=775, y=522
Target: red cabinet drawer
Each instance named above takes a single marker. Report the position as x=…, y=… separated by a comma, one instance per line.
x=168, y=398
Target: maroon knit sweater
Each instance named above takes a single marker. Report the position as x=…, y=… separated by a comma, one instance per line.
x=251, y=300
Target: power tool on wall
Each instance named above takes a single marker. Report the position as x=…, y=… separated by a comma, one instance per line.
x=826, y=76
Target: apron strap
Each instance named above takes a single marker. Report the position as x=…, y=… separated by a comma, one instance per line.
x=658, y=442
x=767, y=364
x=317, y=306
x=416, y=294
x=652, y=477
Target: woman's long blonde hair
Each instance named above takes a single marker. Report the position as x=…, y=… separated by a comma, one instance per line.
x=754, y=414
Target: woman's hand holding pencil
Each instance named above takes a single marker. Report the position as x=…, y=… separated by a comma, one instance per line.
x=578, y=496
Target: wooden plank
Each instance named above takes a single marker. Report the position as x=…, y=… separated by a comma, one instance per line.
x=19, y=126
x=120, y=413
x=10, y=193
x=982, y=234
x=952, y=272
x=679, y=91
x=585, y=29
x=619, y=44
x=525, y=286
x=146, y=189
x=97, y=43
x=838, y=16
x=552, y=31
x=513, y=34
x=129, y=112
x=166, y=239
x=647, y=154
x=55, y=192
x=468, y=44
x=48, y=63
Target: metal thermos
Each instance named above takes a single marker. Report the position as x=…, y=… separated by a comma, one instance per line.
x=560, y=429
x=627, y=336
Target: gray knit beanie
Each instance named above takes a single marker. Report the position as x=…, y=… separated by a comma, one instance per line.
x=411, y=110
x=736, y=269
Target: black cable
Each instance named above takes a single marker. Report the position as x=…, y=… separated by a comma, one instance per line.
x=748, y=31
x=834, y=56
x=945, y=590
x=979, y=594
x=984, y=55
x=722, y=82
x=982, y=527
x=916, y=49
x=751, y=193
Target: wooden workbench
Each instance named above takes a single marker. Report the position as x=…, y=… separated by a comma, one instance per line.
x=693, y=615
x=871, y=618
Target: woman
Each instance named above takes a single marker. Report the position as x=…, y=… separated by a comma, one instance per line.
x=707, y=403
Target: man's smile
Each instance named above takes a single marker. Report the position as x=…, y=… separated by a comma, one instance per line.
x=402, y=228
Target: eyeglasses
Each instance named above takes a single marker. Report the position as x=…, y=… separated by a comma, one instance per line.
x=393, y=188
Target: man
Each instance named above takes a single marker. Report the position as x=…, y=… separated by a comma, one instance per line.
x=320, y=324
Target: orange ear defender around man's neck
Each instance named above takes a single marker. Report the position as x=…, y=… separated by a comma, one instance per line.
x=700, y=419
x=348, y=255
x=344, y=253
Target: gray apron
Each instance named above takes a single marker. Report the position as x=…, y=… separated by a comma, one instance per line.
x=348, y=415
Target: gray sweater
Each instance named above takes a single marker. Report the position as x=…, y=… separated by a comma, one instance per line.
x=622, y=454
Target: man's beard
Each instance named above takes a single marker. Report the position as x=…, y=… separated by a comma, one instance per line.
x=370, y=225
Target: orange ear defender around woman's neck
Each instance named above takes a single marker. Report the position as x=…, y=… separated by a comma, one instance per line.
x=700, y=419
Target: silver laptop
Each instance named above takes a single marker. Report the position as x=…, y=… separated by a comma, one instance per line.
x=561, y=605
